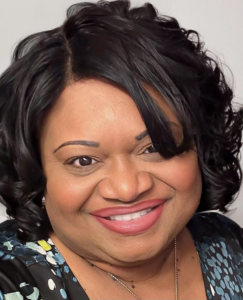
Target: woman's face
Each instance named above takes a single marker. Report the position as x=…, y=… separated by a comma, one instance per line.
x=102, y=170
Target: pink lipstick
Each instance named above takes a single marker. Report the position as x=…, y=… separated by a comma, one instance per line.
x=130, y=220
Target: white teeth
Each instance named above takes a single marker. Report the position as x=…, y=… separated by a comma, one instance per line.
x=118, y=218
x=127, y=217
x=144, y=212
x=132, y=216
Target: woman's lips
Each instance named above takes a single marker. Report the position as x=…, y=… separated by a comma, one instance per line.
x=131, y=220
x=122, y=210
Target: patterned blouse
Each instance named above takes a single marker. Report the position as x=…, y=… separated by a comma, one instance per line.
x=36, y=270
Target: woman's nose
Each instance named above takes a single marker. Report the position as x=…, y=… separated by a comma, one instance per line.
x=125, y=182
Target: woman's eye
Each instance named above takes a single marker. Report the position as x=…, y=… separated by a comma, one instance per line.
x=150, y=149
x=83, y=161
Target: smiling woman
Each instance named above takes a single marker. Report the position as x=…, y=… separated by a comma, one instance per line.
x=112, y=183
x=117, y=131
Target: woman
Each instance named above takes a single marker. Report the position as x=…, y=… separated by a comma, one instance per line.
x=117, y=130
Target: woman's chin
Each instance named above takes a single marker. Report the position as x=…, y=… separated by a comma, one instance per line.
x=133, y=257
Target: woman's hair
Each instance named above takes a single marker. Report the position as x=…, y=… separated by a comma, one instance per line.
x=129, y=48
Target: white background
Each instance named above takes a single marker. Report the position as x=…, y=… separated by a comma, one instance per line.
x=220, y=23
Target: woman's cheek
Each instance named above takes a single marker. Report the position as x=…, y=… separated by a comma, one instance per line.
x=68, y=193
x=182, y=173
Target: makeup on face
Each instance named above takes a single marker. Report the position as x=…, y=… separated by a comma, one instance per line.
x=106, y=179
x=139, y=137
x=130, y=220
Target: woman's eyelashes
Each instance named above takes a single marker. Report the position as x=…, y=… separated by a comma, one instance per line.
x=150, y=149
x=82, y=161
x=86, y=161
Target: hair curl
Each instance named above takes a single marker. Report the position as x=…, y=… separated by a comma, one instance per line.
x=127, y=47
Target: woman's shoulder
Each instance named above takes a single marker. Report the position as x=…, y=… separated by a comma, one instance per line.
x=219, y=243
x=209, y=227
x=8, y=228
x=216, y=225
x=216, y=218
x=15, y=278
x=41, y=252
x=10, y=245
x=27, y=267
x=8, y=239
x=33, y=270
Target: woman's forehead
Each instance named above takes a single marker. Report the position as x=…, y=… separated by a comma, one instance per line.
x=97, y=97
x=92, y=109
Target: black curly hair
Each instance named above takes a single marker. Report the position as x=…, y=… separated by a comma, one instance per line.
x=126, y=47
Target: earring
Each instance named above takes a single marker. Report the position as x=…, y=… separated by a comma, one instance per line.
x=43, y=201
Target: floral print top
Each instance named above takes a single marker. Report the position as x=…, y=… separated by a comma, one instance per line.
x=36, y=270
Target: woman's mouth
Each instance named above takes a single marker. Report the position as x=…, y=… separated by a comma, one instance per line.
x=129, y=217
x=131, y=220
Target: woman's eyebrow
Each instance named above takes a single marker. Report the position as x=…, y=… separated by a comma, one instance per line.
x=176, y=130
x=78, y=142
x=142, y=135
x=95, y=144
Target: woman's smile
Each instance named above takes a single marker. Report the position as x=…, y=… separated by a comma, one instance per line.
x=131, y=220
x=131, y=224
x=106, y=178
x=129, y=217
